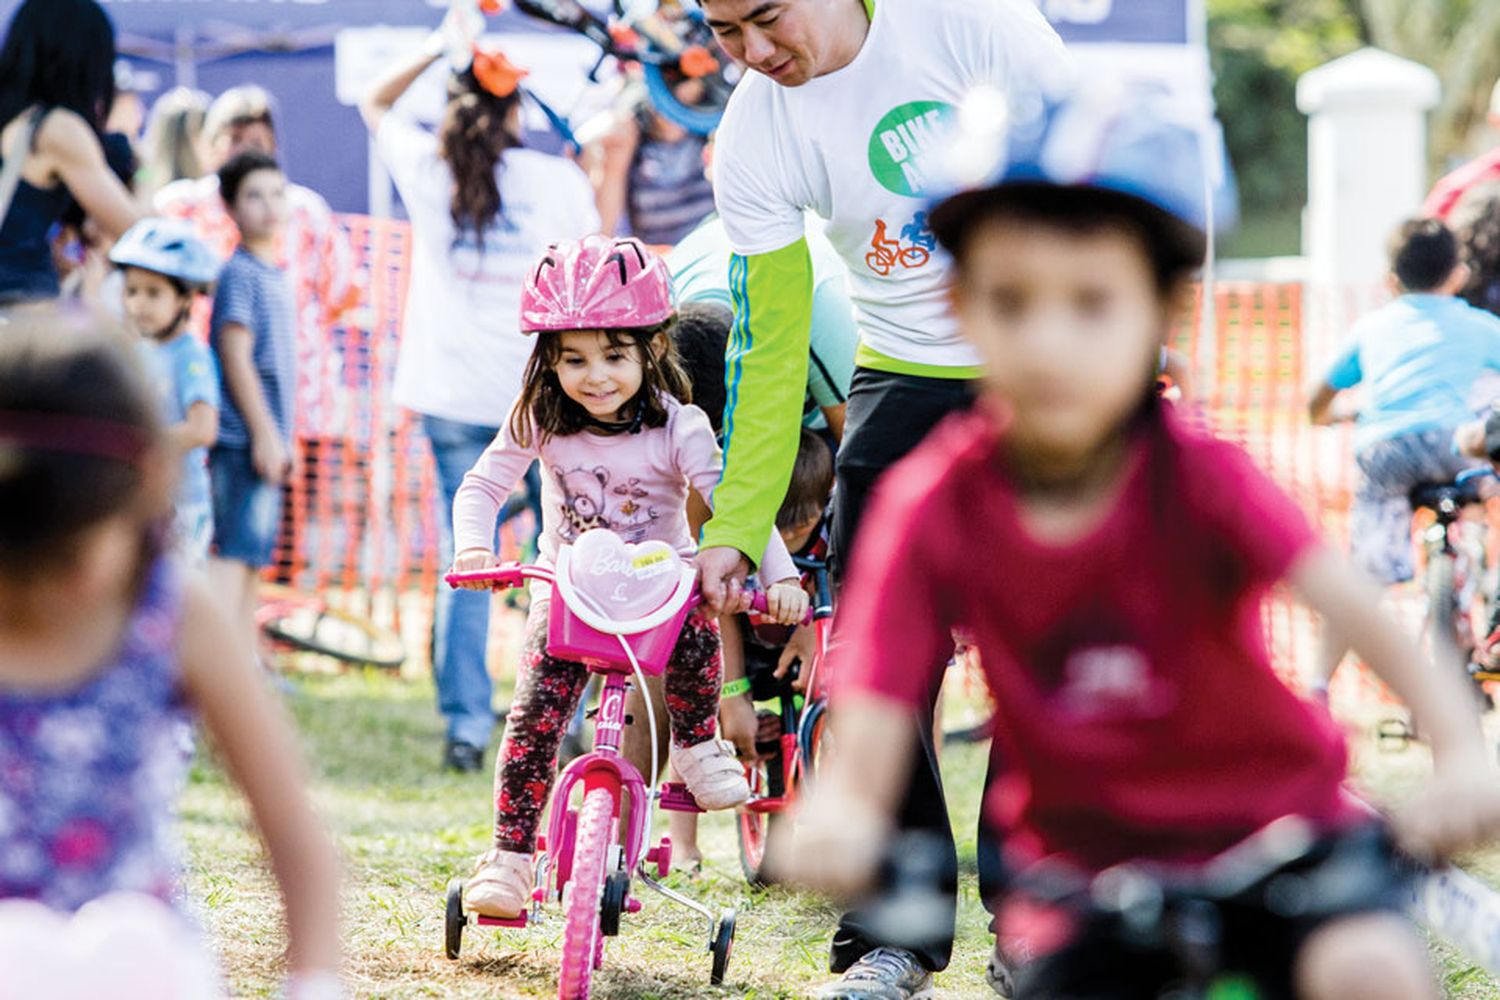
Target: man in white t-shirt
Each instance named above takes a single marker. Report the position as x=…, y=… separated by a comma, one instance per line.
x=844, y=99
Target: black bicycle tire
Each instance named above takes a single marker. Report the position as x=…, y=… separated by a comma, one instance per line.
x=976, y=733
x=1439, y=584
x=278, y=630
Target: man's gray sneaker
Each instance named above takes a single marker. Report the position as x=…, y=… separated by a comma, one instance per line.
x=883, y=974
x=998, y=974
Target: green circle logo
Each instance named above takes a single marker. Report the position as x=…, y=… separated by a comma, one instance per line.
x=900, y=141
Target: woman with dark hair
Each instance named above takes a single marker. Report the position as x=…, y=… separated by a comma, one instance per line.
x=56, y=87
x=1475, y=219
x=482, y=210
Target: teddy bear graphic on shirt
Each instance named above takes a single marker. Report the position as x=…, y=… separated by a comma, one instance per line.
x=586, y=499
x=583, y=492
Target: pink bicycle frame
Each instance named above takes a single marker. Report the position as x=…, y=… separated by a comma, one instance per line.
x=570, y=637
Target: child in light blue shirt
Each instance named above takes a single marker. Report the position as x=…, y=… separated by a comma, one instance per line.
x=1418, y=359
x=165, y=267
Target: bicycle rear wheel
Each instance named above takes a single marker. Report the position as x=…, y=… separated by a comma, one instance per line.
x=306, y=622
x=1444, y=617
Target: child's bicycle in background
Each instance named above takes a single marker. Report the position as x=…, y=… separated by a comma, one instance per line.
x=619, y=609
x=1451, y=579
x=294, y=620
x=801, y=707
x=669, y=50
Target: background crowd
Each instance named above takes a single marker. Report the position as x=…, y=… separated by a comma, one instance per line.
x=179, y=220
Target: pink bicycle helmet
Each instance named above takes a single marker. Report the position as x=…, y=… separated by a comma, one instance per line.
x=596, y=283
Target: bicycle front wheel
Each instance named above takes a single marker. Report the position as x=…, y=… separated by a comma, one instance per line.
x=582, y=896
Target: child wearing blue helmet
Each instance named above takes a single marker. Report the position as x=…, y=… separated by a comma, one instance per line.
x=165, y=268
x=1109, y=563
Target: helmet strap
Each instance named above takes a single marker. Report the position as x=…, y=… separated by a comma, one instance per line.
x=631, y=426
x=177, y=321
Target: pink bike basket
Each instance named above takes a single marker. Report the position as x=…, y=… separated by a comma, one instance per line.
x=646, y=585
x=569, y=638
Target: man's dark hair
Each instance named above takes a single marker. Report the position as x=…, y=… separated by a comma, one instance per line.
x=812, y=482
x=1424, y=253
x=702, y=336
x=232, y=174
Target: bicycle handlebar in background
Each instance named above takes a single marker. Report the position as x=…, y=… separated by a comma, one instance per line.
x=1478, y=472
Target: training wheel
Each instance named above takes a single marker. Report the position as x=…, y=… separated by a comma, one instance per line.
x=454, y=919
x=722, y=946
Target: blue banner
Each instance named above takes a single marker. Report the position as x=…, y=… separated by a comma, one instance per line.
x=1157, y=22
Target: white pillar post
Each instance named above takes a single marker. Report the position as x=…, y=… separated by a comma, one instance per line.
x=1367, y=172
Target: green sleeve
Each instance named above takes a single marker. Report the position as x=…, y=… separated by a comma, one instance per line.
x=766, y=378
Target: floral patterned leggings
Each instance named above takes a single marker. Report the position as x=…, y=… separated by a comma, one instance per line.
x=546, y=698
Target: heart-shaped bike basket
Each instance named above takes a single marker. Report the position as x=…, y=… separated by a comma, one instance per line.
x=622, y=580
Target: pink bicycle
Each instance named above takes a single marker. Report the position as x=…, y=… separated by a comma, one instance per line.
x=619, y=609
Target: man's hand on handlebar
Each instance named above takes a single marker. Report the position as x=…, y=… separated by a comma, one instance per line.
x=721, y=579
x=474, y=561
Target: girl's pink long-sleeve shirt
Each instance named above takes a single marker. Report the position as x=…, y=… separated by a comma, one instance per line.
x=636, y=485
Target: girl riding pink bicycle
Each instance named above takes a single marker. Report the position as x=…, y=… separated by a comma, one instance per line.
x=606, y=410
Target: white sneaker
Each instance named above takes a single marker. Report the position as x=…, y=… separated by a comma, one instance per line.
x=501, y=885
x=712, y=773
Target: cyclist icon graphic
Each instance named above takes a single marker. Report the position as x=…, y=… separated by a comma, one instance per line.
x=887, y=254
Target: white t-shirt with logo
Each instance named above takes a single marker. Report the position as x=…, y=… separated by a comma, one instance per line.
x=462, y=353
x=848, y=146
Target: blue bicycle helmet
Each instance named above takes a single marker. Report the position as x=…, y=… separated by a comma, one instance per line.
x=1125, y=150
x=168, y=247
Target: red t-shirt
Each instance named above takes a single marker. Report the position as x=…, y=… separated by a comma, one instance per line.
x=1447, y=192
x=1139, y=716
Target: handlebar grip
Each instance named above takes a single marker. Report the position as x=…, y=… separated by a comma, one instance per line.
x=499, y=578
x=758, y=606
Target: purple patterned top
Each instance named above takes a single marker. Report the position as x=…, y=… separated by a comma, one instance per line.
x=89, y=777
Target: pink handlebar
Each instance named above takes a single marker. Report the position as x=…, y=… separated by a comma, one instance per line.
x=515, y=574
x=499, y=577
x=758, y=606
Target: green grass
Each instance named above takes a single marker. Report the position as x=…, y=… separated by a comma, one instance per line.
x=405, y=829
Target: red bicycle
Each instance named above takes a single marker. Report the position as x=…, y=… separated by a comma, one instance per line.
x=800, y=706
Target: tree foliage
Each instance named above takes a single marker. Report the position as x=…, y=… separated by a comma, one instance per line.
x=1261, y=47
x=1460, y=40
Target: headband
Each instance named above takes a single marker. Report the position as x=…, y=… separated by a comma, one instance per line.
x=495, y=72
x=74, y=435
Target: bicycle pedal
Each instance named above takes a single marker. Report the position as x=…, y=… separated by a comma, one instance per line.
x=516, y=922
x=675, y=797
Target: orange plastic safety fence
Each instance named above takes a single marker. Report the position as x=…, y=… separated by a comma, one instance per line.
x=362, y=515
x=361, y=521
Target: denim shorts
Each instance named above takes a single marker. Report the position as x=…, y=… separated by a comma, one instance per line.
x=1380, y=517
x=247, y=509
x=192, y=532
